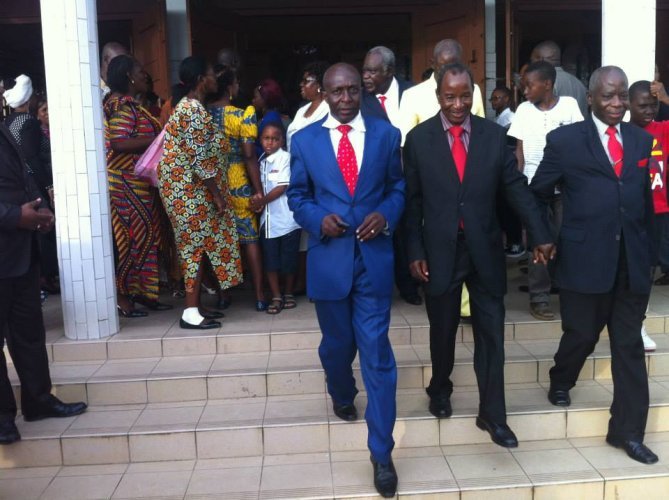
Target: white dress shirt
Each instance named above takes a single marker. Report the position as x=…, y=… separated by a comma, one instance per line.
x=300, y=121
x=356, y=135
x=604, y=137
x=392, y=103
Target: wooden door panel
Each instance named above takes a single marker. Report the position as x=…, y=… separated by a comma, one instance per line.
x=150, y=44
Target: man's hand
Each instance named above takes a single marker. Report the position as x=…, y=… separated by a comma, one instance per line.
x=370, y=228
x=34, y=219
x=543, y=253
x=419, y=270
x=256, y=203
x=333, y=226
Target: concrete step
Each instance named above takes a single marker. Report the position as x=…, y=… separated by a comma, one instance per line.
x=576, y=468
x=279, y=373
x=280, y=425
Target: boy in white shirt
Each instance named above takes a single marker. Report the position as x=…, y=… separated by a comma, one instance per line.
x=279, y=233
x=541, y=113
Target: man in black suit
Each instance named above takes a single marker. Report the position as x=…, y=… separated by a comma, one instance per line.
x=455, y=164
x=604, y=251
x=381, y=99
x=22, y=213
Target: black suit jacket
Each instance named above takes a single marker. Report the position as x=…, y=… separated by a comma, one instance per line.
x=599, y=209
x=436, y=201
x=370, y=105
x=16, y=188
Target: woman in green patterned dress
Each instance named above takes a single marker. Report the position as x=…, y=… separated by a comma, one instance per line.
x=193, y=189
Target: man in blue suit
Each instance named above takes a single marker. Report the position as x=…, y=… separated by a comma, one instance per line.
x=347, y=191
x=604, y=252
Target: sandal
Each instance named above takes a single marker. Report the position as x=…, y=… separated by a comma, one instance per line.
x=289, y=301
x=275, y=305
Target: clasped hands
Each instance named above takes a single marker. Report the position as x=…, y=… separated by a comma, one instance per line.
x=34, y=218
x=334, y=226
x=540, y=255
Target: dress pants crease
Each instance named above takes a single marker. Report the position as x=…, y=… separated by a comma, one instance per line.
x=361, y=321
x=488, y=326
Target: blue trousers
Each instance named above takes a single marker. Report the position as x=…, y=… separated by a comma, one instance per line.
x=360, y=323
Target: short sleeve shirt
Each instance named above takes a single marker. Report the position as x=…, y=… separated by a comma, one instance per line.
x=276, y=218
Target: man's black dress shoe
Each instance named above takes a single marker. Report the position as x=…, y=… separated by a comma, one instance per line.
x=636, y=450
x=346, y=412
x=153, y=305
x=559, y=397
x=212, y=314
x=52, y=407
x=385, y=478
x=440, y=406
x=8, y=432
x=206, y=324
x=500, y=434
x=412, y=298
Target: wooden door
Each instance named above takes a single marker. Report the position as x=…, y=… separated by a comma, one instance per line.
x=150, y=44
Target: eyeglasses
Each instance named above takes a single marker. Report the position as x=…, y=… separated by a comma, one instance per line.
x=308, y=80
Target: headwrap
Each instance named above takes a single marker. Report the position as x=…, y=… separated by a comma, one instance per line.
x=20, y=94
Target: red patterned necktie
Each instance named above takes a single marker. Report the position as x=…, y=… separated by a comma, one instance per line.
x=458, y=150
x=382, y=100
x=615, y=150
x=346, y=159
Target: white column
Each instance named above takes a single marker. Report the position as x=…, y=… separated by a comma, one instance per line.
x=628, y=37
x=83, y=226
x=490, y=55
x=178, y=39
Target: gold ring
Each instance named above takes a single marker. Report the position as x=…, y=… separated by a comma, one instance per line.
x=372, y=231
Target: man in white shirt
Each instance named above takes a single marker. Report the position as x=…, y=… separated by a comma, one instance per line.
x=381, y=98
x=500, y=100
x=542, y=112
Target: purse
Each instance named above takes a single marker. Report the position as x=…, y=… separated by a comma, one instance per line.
x=146, y=166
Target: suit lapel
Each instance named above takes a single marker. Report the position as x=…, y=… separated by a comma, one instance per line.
x=10, y=139
x=474, y=152
x=330, y=166
x=443, y=159
x=597, y=148
x=628, y=146
x=371, y=146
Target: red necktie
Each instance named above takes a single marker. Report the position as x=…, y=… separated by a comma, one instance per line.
x=346, y=159
x=458, y=150
x=615, y=150
x=382, y=100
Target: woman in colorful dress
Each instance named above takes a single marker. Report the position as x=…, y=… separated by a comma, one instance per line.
x=194, y=192
x=238, y=127
x=129, y=130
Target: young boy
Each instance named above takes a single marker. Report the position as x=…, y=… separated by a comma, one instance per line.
x=643, y=111
x=541, y=113
x=279, y=233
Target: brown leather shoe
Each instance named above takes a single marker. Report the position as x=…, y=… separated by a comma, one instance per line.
x=542, y=311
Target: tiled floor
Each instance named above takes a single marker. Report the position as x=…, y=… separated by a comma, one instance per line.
x=542, y=468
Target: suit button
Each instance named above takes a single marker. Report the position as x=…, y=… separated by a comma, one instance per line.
x=617, y=237
x=462, y=203
x=622, y=210
x=620, y=183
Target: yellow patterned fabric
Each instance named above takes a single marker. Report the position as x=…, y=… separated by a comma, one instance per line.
x=238, y=127
x=193, y=153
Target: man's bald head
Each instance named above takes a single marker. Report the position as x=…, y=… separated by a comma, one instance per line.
x=445, y=52
x=229, y=58
x=342, y=85
x=548, y=51
x=340, y=69
x=600, y=74
x=110, y=50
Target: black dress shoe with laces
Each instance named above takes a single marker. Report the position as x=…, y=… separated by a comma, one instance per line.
x=385, y=478
x=52, y=407
x=347, y=412
x=500, y=434
x=636, y=450
x=8, y=432
x=440, y=406
x=207, y=324
x=559, y=397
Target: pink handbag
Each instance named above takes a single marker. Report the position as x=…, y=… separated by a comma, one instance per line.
x=147, y=165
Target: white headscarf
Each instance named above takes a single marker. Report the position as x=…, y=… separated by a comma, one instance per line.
x=21, y=92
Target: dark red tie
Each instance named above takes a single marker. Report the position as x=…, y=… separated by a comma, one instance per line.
x=458, y=150
x=382, y=100
x=346, y=159
x=615, y=150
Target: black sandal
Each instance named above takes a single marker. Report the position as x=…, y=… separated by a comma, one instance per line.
x=275, y=305
x=289, y=301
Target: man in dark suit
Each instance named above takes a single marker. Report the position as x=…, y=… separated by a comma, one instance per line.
x=347, y=191
x=22, y=213
x=381, y=99
x=455, y=164
x=604, y=251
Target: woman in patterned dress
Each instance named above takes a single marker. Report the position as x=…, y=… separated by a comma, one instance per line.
x=129, y=130
x=194, y=192
x=238, y=127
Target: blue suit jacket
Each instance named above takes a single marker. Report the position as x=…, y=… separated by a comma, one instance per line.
x=599, y=209
x=370, y=105
x=317, y=189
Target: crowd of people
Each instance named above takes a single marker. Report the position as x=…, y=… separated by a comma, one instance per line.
x=399, y=185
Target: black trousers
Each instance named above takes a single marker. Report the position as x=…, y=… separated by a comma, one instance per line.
x=583, y=318
x=403, y=279
x=443, y=312
x=22, y=327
